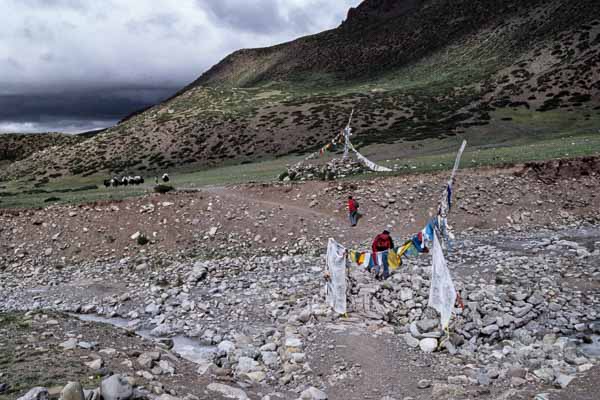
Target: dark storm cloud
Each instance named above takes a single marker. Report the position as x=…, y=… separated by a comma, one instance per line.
x=65, y=60
x=104, y=104
x=74, y=111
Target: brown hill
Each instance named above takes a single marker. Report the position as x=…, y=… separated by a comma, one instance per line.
x=412, y=69
x=15, y=147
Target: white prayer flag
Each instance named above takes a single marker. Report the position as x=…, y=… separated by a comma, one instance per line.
x=336, y=285
x=442, y=294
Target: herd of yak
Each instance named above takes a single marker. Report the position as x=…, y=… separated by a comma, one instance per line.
x=130, y=180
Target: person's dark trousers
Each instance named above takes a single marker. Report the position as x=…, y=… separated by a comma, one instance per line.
x=353, y=216
x=384, y=263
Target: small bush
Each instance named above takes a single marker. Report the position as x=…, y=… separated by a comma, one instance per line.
x=163, y=189
x=142, y=240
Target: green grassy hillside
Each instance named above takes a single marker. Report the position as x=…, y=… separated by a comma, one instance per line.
x=415, y=72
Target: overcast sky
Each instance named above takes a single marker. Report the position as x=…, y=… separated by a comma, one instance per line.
x=76, y=65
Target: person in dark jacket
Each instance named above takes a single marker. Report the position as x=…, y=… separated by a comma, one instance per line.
x=381, y=243
x=353, y=214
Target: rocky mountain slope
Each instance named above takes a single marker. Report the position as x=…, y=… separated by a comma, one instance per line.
x=411, y=69
x=15, y=147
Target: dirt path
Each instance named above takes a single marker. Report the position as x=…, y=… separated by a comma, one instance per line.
x=283, y=206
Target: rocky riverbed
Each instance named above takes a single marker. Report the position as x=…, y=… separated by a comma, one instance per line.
x=159, y=321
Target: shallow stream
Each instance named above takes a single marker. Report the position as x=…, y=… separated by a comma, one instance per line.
x=187, y=348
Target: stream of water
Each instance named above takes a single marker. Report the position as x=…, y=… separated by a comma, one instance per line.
x=187, y=348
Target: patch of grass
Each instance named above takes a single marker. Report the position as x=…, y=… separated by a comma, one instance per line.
x=14, y=321
x=508, y=146
x=481, y=156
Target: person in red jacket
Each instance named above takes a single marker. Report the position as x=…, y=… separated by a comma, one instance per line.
x=382, y=242
x=353, y=214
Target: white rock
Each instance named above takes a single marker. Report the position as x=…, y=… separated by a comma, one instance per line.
x=116, y=388
x=226, y=346
x=204, y=366
x=94, y=365
x=37, y=393
x=270, y=359
x=228, y=391
x=70, y=344
x=246, y=365
x=428, y=345
x=293, y=342
x=166, y=367
x=406, y=294
x=562, y=380
x=312, y=393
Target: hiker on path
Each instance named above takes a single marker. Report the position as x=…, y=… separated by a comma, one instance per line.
x=353, y=214
x=381, y=243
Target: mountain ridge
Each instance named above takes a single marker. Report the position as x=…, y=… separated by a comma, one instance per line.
x=413, y=70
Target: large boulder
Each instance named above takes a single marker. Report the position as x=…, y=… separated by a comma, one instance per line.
x=37, y=393
x=116, y=388
x=73, y=391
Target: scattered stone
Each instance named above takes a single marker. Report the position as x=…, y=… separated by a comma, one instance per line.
x=562, y=380
x=228, y=391
x=37, y=393
x=428, y=345
x=441, y=391
x=424, y=384
x=116, y=387
x=312, y=393
x=95, y=364
x=70, y=344
x=411, y=341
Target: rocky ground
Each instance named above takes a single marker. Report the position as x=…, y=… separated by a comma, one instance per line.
x=227, y=298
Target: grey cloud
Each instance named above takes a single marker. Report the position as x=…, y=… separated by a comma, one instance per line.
x=167, y=22
x=36, y=31
x=128, y=54
x=69, y=4
x=75, y=111
x=47, y=57
x=10, y=62
x=259, y=16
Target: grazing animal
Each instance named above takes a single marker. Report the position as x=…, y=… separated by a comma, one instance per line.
x=124, y=181
x=165, y=178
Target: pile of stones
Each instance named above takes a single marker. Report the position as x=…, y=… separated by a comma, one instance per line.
x=523, y=320
x=334, y=169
